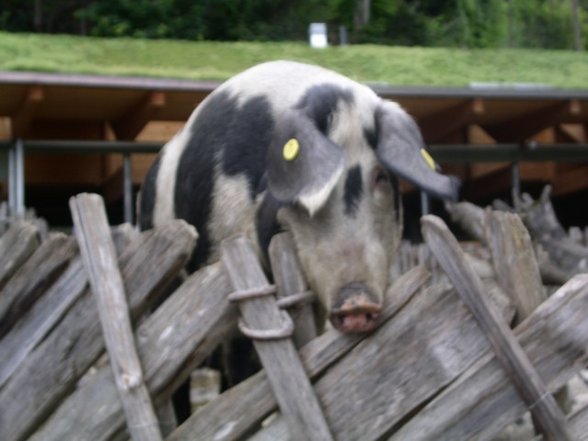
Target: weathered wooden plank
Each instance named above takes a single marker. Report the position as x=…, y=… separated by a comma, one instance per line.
x=579, y=424
x=32, y=328
x=123, y=235
x=548, y=416
x=514, y=260
x=539, y=216
x=178, y=336
x=280, y=360
x=48, y=310
x=517, y=269
x=33, y=278
x=53, y=368
x=99, y=257
x=483, y=400
x=289, y=281
x=401, y=365
x=16, y=245
x=231, y=415
x=469, y=216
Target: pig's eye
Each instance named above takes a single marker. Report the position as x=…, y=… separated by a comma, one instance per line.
x=381, y=185
x=380, y=179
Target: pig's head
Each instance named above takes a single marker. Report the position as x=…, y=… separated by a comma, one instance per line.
x=335, y=179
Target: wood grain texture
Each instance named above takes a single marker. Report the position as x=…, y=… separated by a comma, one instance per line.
x=317, y=356
x=51, y=371
x=100, y=261
x=283, y=367
x=290, y=281
x=514, y=360
x=514, y=261
x=177, y=337
x=16, y=245
x=33, y=327
x=33, y=278
x=484, y=400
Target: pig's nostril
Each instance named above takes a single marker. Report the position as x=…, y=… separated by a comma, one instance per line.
x=352, y=322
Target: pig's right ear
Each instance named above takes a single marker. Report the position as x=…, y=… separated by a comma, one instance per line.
x=303, y=165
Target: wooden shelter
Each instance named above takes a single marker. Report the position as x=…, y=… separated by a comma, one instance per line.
x=75, y=130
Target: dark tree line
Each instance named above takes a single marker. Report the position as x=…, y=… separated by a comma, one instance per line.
x=461, y=23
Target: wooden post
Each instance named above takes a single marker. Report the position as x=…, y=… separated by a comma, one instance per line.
x=482, y=400
x=514, y=261
x=99, y=256
x=172, y=341
x=283, y=367
x=290, y=282
x=514, y=360
x=73, y=343
x=230, y=417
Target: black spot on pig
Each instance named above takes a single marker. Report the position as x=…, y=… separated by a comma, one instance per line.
x=321, y=102
x=241, y=141
x=353, y=190
x=248, y=132
x=266, y=222
x=148, y=192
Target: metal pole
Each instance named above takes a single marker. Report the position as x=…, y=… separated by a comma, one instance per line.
x=11, y=180
x=20, y=177
x=515, y=178
x=425, y=204
x=128, y=188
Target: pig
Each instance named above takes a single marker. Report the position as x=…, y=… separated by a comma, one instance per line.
x=296, y=147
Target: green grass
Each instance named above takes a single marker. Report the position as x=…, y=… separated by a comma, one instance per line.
x=218, y=61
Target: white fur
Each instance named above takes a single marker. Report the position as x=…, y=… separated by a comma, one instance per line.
x=283, y=83
x=166, y=179
x=232, y=211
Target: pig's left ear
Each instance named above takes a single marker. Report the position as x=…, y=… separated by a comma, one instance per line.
x=303, y=165
x=400, y=147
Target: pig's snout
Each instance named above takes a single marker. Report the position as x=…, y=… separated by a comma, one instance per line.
x=356, y=311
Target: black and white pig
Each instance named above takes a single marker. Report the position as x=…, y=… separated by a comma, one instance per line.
x=290, y=146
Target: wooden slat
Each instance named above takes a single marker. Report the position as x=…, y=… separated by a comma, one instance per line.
x=177, y=337
x=437, y=334
x=290, y=281
x=484, y=400
x=130, y=125
x=514, y=260
x=33, y=278
x=99, y=257
x=283, y=367
x=33, y=327
x=436, y=127
x=514, y=360
x=231, y=415
x=16, y=246
x=519, y=129
x=27, y=110
x=52, y=370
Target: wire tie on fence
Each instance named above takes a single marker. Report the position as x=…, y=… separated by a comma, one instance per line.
x=252, y=293
x=538, y=400
x=285, y=331
x=298, y=299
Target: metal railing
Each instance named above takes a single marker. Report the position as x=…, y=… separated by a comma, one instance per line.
x=18, y=148
x=461, y=153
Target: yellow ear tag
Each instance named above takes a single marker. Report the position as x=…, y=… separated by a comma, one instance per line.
x=291, y=149
x=430, y=161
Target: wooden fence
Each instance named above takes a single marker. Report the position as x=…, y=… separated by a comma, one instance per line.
x=85, y=354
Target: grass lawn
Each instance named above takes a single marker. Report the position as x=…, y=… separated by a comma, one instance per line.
x=218, y=61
